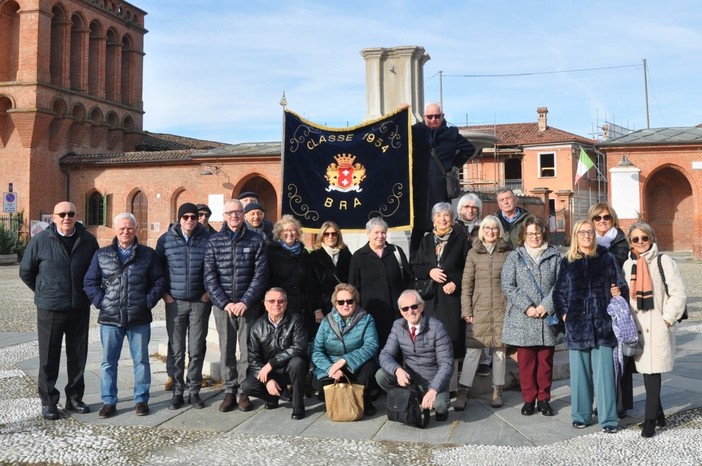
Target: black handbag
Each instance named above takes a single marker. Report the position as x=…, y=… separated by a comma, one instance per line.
x=426, y=287
x=453, y=181
x=404, y=405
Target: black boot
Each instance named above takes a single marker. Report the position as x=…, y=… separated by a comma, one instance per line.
x=660, y=420
x=649, y=428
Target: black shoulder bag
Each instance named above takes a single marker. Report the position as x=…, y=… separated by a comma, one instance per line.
x=404, y=405
x=660, y=270
x=453, y=182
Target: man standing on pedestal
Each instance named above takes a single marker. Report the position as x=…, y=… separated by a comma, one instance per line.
x=53, y=266
x=433, y=136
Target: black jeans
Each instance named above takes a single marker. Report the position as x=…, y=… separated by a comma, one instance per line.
x=652, y=384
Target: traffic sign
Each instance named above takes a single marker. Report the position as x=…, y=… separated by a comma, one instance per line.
x=9, y=203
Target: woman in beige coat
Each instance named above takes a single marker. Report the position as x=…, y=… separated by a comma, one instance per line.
x=656, y=311
x=483, y=308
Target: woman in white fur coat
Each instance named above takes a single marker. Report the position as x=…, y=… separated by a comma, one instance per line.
x=656, y=313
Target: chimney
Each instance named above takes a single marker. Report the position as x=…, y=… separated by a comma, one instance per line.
x=543, y=121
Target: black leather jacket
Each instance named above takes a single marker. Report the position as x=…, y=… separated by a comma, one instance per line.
x=276, y=345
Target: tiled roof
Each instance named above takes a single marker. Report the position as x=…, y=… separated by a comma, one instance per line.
x=527, y=134
x=163, y=141
x=653, y=136
x=243, y=149
x=129, y=157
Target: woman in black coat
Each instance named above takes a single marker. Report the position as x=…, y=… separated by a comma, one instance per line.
x=330, y=260
x=441, y=257
x=290, y=268
x=380, y=272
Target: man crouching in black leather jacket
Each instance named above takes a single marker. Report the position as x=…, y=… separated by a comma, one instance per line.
x=277, y=352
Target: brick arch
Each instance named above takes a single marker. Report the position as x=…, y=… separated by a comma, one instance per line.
x=267, y=194
x=9, y=40
x=112, y=119
x=112, y=54
x=79, y=41
x=96, y=116
x=96, y=59
x=59, y=107
x=138, y=204
x=59, y=38
x=669, y=206
x=6, y=125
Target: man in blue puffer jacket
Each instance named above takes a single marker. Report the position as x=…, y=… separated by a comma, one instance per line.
x=236, y=277
x=182, y=249
x=125, y=281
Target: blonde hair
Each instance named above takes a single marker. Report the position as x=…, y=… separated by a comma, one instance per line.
x=597, y=209
x=574, y=253
x=329, y=224
x=488, y=220
x=286, y=220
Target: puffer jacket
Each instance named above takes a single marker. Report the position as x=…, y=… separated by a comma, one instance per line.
x=357, y=344
x=55, y=277
x=582, y=293
x=655, y=337
x=183, y=262
x=430, y=355
x=128, y=300
x=276, y=345
x=236, y=270
x=481, y=295
x=526, y=283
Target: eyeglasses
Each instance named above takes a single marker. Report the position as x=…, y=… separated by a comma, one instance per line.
x=534, y=234
x=70, y=214
x=473, y=207
x=599, y=218
x=234, y=213
x=341, y=302
x=586, y=233
x=414, y=307
x=189, y=217
x=643, y=239
x=330, y=233
x=203, y=214
x=434, y=117
x=491, y=228
x=276, y=301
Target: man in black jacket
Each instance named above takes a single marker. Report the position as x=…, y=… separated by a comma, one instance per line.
x=277, y=349
x=53, y=266
x=433, y=135
x=236, y=277
x=182, y=249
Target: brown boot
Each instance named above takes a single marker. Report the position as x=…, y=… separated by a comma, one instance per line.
x=461, y=398
x=168, y=386
x=496, y=397
x=244, y=403
x=228, y=403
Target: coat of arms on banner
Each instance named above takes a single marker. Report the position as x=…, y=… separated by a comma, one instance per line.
x=344, y=176
x=348, y=175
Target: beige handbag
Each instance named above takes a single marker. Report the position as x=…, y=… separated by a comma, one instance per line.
x=344, y=401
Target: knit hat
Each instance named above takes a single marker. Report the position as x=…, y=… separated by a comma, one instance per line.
x=204, y=208
x=253, y=206
x=187, y=208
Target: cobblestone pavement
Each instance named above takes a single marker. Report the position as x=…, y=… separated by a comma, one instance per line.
x=25, y=438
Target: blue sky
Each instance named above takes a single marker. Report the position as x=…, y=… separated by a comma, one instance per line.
x=217, y=69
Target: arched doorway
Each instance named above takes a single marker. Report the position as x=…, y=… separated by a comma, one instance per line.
x=669, y=208
x=140, y=209
x=267, y=196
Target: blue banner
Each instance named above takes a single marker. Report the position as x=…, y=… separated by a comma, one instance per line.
x=348, y=175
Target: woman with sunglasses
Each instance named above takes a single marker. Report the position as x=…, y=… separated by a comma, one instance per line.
x=330, y=261
x=657, y=295
x=609, y=235
x=346, y=344
x=483, y=308
x=587, y=279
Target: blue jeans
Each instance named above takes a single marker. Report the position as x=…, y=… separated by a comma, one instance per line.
x=112, y=339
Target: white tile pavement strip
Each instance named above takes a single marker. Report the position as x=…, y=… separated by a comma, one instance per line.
x=480, y=435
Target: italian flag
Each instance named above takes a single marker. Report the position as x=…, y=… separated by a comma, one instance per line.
x=585, y=163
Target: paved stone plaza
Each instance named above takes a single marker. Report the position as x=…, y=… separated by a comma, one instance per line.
x=479, y=435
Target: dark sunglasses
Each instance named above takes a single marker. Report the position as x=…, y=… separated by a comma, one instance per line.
x=433, y=117
x=644, y=239
x=189, y=217
x=63, y=214
x=599, y=218
x=203, y=214
x=330, y=233
x=341, y=302
x=414, y=307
